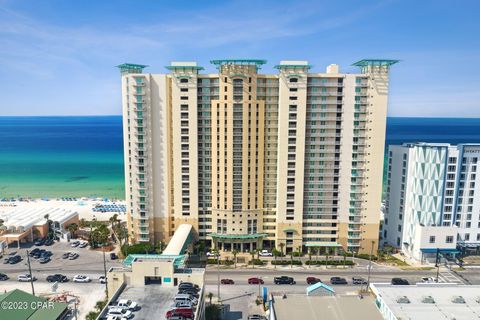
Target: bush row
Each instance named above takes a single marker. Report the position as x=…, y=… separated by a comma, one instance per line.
x=222, y=262
x=257, y=262
x=287, y=262
x=330, y=263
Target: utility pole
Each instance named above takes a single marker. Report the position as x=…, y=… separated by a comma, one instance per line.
x=437, y=264
x=30, y=271
x=370, y=265
x=105, y=272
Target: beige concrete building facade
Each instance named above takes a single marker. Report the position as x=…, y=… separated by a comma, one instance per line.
x=256, y=160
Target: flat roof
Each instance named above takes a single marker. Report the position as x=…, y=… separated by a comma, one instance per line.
x=20, y=219
x=326, y=307
x=441, y=306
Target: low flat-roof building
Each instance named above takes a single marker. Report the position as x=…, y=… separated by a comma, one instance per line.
x=427, y=301
x=29, y=307
x=23, y=224
x=320, y=307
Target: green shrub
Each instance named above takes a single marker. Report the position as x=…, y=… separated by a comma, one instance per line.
x=257, y=262
x=330, y=263
x=297, y=254
x=222, y=262
x=366, y=256
x=287, y=262
x=138, y=248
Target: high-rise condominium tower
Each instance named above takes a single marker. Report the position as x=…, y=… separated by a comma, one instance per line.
x=432, y=199
x=291, y=160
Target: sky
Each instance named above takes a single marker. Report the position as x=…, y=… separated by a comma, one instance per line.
x=59, y=57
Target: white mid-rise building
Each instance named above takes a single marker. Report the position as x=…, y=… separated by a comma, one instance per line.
x=432, y=199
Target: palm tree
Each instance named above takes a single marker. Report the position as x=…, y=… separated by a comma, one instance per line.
x=72, y=228
x=282, y=245
x=291, y=259
x=113, y=219
x=275, y=254
x=49, y=225
x=310, y=257
x=252, y=253
x=235, y=252
x=83, y=223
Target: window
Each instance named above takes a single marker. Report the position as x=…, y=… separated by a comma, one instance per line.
x=432, y=239
x=183, y=89
x=449, y=239
x=183, y=80
x=293, y=79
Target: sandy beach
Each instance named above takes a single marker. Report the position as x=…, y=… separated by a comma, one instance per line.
x=84, y=206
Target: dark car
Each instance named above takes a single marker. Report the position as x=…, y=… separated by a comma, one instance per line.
x=113, y=256
x=284, y=280
x=57, y=278
x=44, y=260
x=33, y=252
x=227, y=281
x=190, y=291
x=338, y=280
x=3, y=277
x=255, y=281
x=358, y=280
x=188, y=285
x=7, y=260
x=15, y=259
x=49, y=242
x=399, y=282
x=66, y=255
x=39, y=242
x=313, y=280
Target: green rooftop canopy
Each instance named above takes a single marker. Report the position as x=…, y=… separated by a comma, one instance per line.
x=375, y=62
x=293, y=66
x=131, y=68
x=183, y=68
x=237, y=236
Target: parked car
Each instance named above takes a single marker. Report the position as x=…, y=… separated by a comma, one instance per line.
x=57, y=278
x=66, y=255
x=33, y=252
x=81, y=278
x=102, y=279
x=129, y=304
x=182, y=304
x=358, y=280
x=338, y=280
x=113, y=256
x=39, y=242
x=25, y=278
x=400, y=282
x=48, y=242
x=255, y=281
x=73, y=256
x=185, y=285
x=227, y=281
x=284, y=280
x=184, y=312
x=265, y=253
x=185, y=297
x=75, y=244
x=112, y=317
x=191, y=292
x=313, y=280
x=120, y=312
x=83, y=244
x=6, y=260
x=256, y=317
x=178, y=317
x=3, y=277
x=44, y=260
x=15, y=259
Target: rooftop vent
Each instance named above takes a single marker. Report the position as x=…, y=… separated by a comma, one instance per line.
x=458, y=299
x=403, y=299
x=428, y=299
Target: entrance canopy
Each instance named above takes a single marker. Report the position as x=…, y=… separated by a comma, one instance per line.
x=323, y=245
x=237, y=236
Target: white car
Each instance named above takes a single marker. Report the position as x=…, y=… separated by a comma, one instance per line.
x=81, y=278
x=83, y=244
x=120, y=312
x=129, y=304
x=75, y=243
x=102, y=279
x=265, y=253
x=116, y=318
x=25, y=278
x=211, y=254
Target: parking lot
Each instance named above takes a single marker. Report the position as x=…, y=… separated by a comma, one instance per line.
x=89, y=262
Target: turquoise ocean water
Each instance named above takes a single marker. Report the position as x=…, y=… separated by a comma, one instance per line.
x=83, y=156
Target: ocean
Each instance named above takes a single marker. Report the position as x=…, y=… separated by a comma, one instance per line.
x=83, y=156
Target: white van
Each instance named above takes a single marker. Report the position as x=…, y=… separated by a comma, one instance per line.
x=185, y=297
x=182, y=304
x=120, y=312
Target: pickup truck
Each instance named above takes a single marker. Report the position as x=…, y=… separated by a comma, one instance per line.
x=284, y=280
